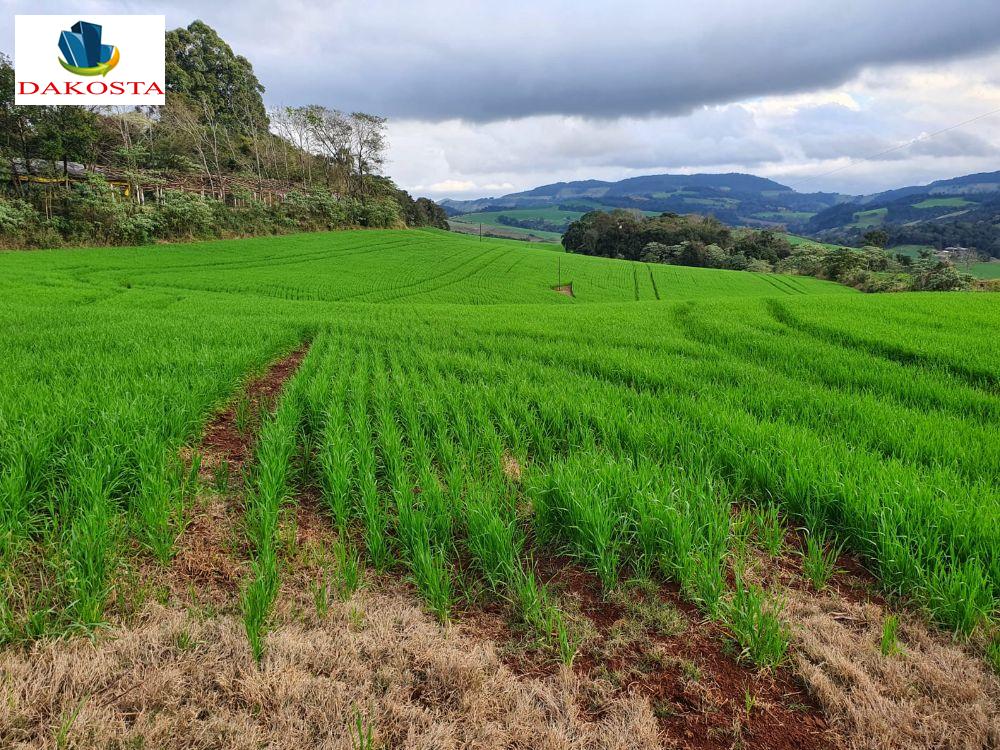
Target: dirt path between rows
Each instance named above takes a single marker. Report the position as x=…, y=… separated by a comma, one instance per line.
x=224, y=438
x=211, y=558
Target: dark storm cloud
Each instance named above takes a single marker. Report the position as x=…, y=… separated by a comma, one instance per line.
x=486, y=98
x=436, y=60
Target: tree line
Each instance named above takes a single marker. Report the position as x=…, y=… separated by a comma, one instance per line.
x=213, y=161
x=705, y=242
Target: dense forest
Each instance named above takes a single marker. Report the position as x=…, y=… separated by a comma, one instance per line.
x=212, y=162
x=708, y=243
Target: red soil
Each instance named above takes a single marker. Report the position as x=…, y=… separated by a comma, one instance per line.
x=209, y=556
x=223, y=441
x=698, y=689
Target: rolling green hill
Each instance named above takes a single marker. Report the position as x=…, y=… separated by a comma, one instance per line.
x=646, y=414
x=961, y=211
x=539, y=224
x=958, y=212
x=737, y=199
x=944, y=202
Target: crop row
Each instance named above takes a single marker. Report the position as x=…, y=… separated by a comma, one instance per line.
x=453, y=442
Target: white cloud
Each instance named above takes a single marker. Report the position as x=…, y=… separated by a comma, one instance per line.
x=487, y=98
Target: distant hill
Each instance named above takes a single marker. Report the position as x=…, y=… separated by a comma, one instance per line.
x=648, y=185
x=970, y=184
x=960, y=211
x=738, y=199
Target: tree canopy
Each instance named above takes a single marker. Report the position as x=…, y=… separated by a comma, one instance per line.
x=201, y=66
x=705, y=242
x=207, y=163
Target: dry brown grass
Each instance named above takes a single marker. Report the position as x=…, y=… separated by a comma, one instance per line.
x=512, y=468
x=931, y=694
x=172, y=680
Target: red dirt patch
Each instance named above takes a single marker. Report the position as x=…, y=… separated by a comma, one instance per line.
x=209, y=557
x=223, y=440
x=701, y=695
x=566, y=289
x=851, y=579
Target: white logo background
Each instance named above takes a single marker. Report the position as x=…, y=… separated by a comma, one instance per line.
x=140, y=40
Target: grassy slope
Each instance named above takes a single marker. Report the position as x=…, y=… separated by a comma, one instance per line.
x=491, y=219
x=872, y=218
x=874, y=416
x=912, y=250
x=551, y=214
x=797, y=241
x=989, y=270
x=944, y=203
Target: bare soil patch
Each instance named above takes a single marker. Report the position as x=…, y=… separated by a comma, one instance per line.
x=512, y=468
x=702, y=696
x=224, y=438
x=566, y=289
x=211, y=555
x=927, y=690
x=648, y=644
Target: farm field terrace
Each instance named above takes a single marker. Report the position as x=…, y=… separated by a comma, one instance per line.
x=492, y=220
x=459, y=423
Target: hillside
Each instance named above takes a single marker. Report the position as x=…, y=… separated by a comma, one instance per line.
x=211, y=162
x=737, y=199
x=396, y=483
x=962, y=211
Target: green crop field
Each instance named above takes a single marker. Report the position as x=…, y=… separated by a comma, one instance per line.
x=490, y=220
x=944, y=203
x=989, y=270
x=498, y=231
x=640, y=412
x=872, y=218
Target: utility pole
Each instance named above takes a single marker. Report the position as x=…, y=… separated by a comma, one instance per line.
x=480, y=231
x=559, y=271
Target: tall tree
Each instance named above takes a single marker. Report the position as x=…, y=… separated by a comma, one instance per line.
x=15, y=123
x=292, y=125
x=204, y=68
x=331, y=136
x=66, y=133
x=876, y=238
x=368, y=146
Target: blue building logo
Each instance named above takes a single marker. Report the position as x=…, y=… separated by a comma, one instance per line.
x=83, y=53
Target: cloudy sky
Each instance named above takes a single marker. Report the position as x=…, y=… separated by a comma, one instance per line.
x=488, y=98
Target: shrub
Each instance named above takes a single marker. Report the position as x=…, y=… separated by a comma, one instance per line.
x=377, y=213
x=317, y=209
x=941, y=277
x=182, y=214
x=22, y=226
